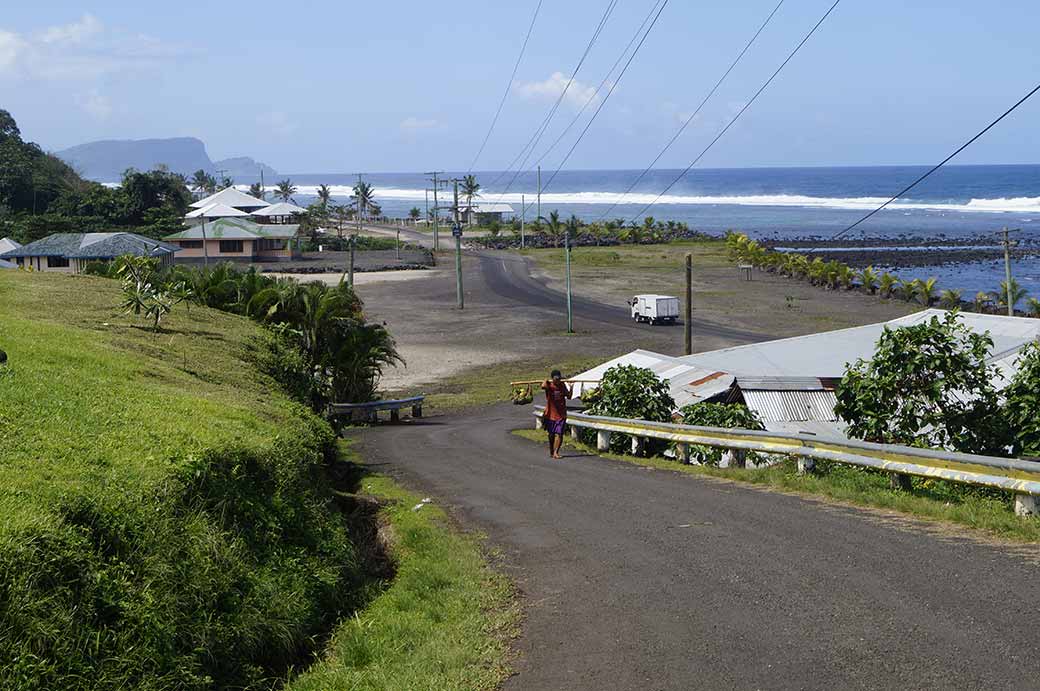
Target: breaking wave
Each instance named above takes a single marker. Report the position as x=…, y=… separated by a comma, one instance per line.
x=1029, y=205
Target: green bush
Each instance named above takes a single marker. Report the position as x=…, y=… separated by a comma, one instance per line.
x=726, y=415
x=635, y=393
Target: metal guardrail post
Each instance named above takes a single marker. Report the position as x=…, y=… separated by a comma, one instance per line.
x=638, y=446
x=682, y=452
x=1027, y=505
x=806, y=466
x=602, y=440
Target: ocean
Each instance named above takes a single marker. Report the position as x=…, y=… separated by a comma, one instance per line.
x=958, y=203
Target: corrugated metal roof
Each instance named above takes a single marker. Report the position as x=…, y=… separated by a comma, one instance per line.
x=231, y=197
x=216, y=211
x=787, y=383
x=792, y=406
x=7, y=244
x=280, y=209
x=686, y=384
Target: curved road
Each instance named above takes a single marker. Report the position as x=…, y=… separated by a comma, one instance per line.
x=646, y=579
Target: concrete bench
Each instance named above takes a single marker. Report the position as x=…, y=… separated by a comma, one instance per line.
x=369, y=412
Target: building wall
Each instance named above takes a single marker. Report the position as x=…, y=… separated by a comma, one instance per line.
x=213, y=246
x=40, y=264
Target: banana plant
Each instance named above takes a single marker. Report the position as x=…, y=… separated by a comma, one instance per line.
x=869, y=278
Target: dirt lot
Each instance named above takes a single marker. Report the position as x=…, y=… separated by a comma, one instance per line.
x=496, y=338
x=769, y=303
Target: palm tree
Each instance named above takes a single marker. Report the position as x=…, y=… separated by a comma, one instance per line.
x=414, y=213
x=982, y=300
x=226, y=182
x=203, y=183
x=926, y=291
x=846, y=276
x=343, y=214
x=573, y=227
x=1012, y=292
x=470, y=188
x=869, y=278
x=364, y=198
x=887, y=284
x=1033, y=306
x=950, y=299
x=554, y=229
x=324, y=196
x=285, y=190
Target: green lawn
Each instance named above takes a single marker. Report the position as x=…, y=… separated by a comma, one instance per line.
x=933, y=500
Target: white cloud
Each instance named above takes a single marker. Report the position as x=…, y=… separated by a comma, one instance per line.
x=11, y=48
x=82, y=51
x=277, y=122
x=95, y=104
x=414, y=124
x=577, y=95
x=75, y=33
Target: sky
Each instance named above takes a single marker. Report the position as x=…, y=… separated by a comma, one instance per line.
x=400, y=86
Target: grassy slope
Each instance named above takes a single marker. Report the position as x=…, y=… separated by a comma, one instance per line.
x=931, y=499
x=442, y=623
x=162, y=526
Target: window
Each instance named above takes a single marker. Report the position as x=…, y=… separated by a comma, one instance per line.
x=231, y=247
x=268, y=244
x=191, y=244
x=57, y=262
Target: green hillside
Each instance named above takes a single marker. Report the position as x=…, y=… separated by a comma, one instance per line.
x=163, y=524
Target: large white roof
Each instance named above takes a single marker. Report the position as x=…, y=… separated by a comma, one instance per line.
x=686, y=383
x=7, y=244
x=491, y=208
x=280, y=209
x=216, y=211
x=826, y=354
x=231, y=197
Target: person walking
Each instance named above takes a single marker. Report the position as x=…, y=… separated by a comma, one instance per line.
x=555, y=418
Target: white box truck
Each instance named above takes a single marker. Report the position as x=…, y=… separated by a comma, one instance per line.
x=655, y=309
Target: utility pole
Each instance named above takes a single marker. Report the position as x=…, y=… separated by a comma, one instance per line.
x=523, y=212
x=539, y=217
x=567, y=261
x=688, y=315
x=457, y=232
x=1007, y=242
x=354, y=237
x=436, y=211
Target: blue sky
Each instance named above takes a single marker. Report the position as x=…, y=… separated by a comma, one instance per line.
x=405, y=86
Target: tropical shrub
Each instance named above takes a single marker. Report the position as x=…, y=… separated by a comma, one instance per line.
x=727, y=415
x=1023, y=403
x=634, y=393
x=913, y=390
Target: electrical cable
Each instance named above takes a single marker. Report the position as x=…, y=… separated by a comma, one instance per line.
x=741, y=112
x=695, y=113
x=509, y=84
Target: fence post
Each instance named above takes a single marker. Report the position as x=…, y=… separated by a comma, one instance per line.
x=1026, y=504
x=806, y=466
x=602, y=440
x=638, y=446
x=735, y=458
x=682, y=452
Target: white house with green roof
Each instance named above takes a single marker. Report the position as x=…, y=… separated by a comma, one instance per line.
x=235, y=239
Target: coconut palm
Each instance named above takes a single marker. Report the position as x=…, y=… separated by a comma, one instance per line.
x=203, y=183
x=470, y=189
x=982, y=300
x=364, y=198
x=887, y=284
x=284, y=190
x=868, y=278
x=324, y=196
x=257, y=190
x=846, y=276
x=226, y=182
x=1033, y=307
x=554, y=229
x=1013, y=292
x=950, y=299
x=414, y=213
x=925, y=291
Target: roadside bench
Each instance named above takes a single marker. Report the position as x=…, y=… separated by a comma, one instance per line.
x=369, y=412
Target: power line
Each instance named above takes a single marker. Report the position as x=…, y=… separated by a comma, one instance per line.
x=607, y=97
x=740, y=112
x=540, y=130
x=601, y=84
x=509, y=84
x=961, y=148
x=695, y=113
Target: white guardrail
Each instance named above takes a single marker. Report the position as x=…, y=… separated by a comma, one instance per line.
x=1011, y=474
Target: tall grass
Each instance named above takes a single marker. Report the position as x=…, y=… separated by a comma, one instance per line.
x=164, y=521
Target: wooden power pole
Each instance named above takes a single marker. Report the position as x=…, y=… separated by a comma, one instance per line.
x=1007, y=242
x=688, y=314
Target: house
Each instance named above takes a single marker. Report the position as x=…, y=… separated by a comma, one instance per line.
x=790, y=383
x=71, y=252
x=280, y=213
x=235, y=239
x=232, y=198
x=6, y=245
x=484, y=213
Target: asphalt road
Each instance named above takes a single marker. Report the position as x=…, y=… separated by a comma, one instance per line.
x=647, y=579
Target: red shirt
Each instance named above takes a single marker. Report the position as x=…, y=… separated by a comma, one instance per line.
x=556, y=396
